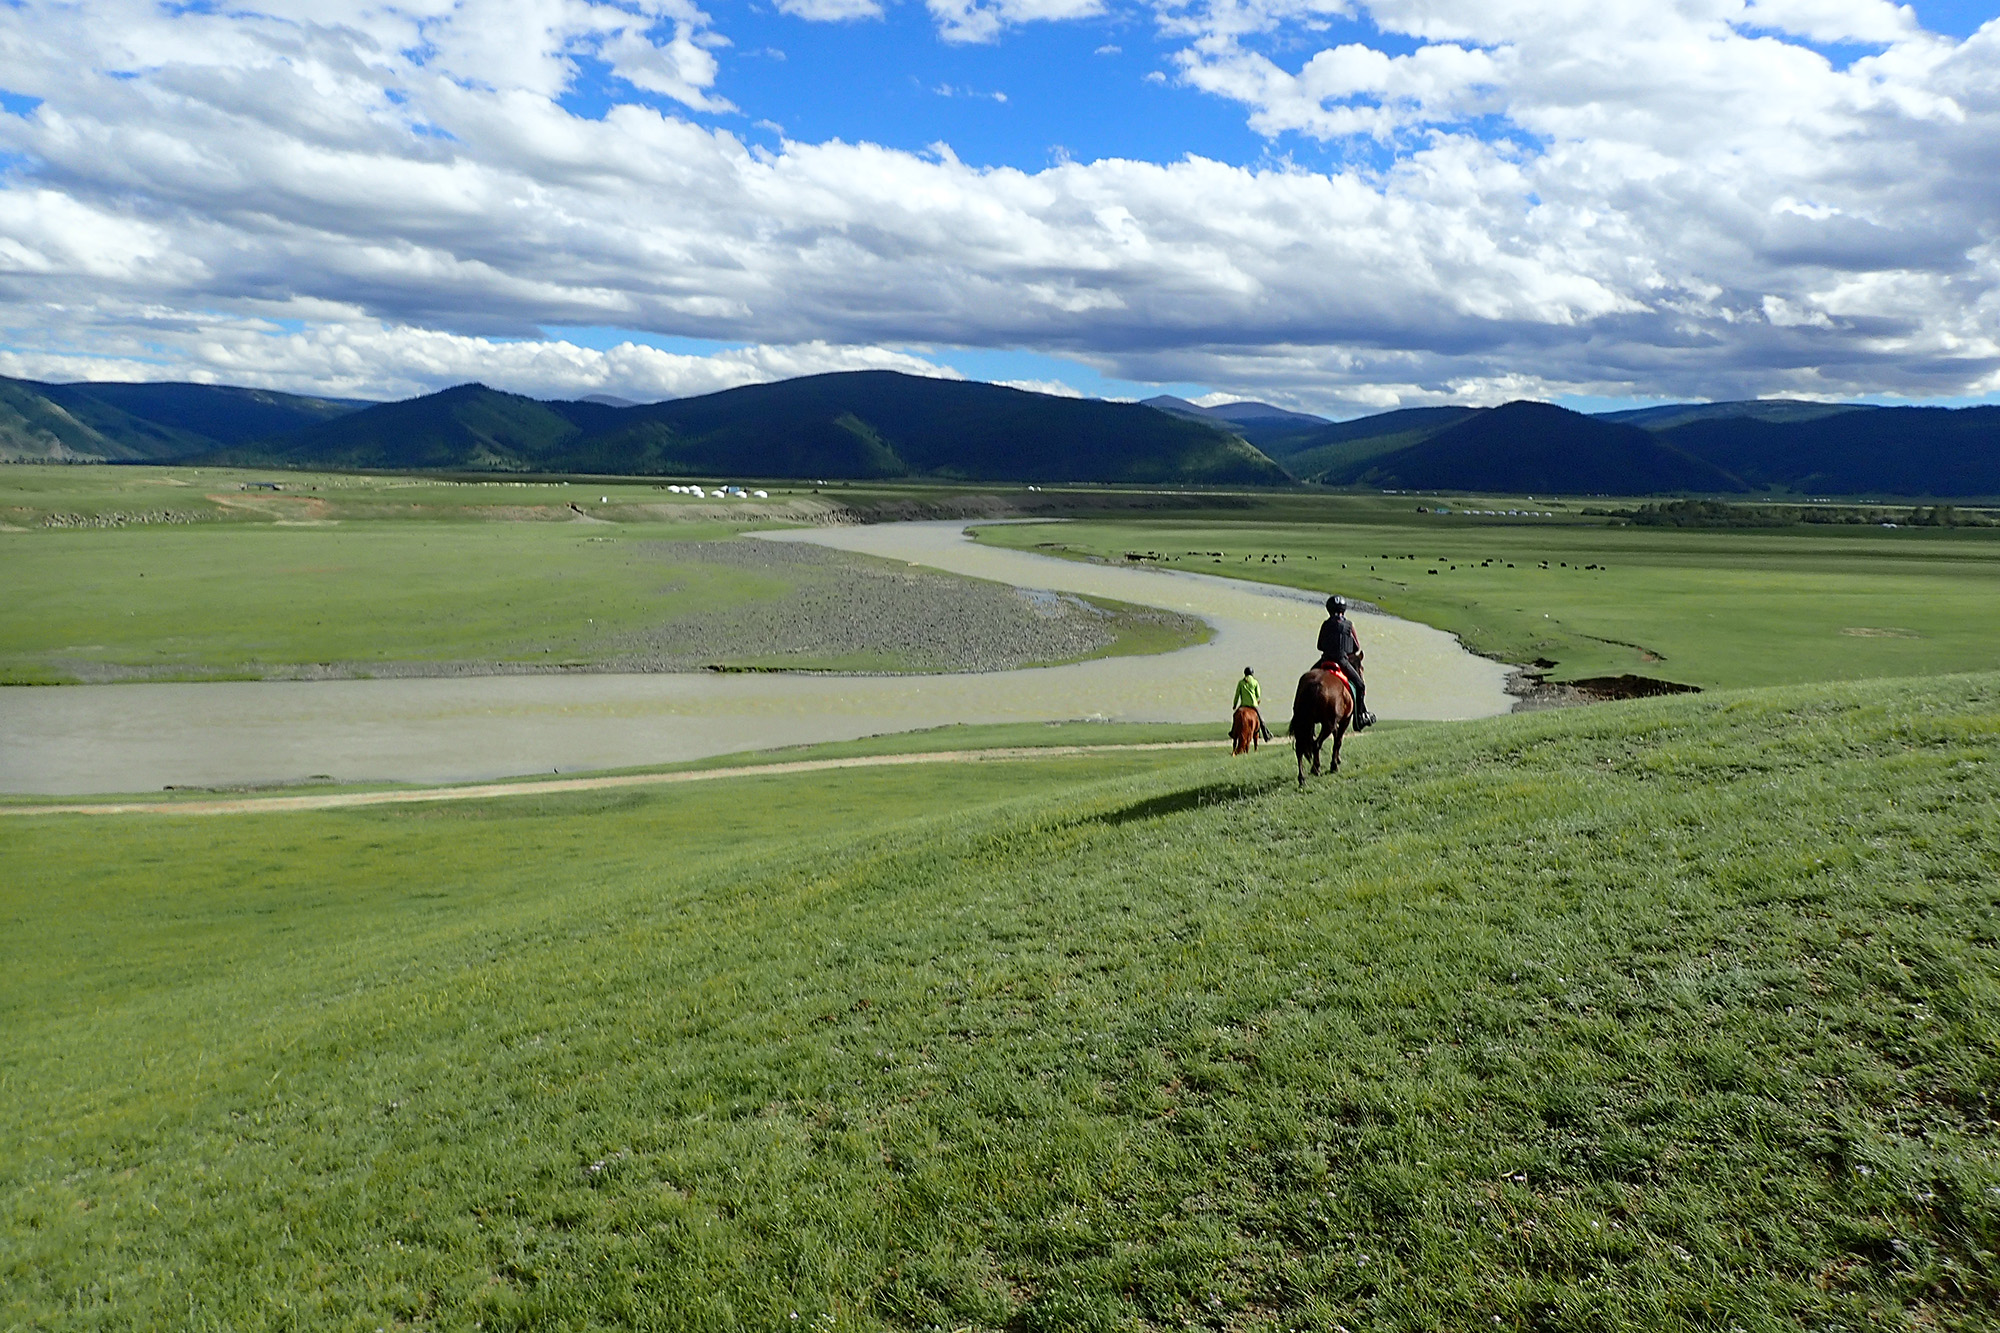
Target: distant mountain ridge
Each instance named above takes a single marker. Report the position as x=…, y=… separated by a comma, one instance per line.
x=857, y=424
x=1538, y=449
x=1259, y=423
x=880, y=424
x=1760, y=409
x=1721, y=448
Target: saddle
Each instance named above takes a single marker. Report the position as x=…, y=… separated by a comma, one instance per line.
x=1334, y=667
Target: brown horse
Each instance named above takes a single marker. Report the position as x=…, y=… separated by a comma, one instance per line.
x=1243, y=730
x=1321, y=710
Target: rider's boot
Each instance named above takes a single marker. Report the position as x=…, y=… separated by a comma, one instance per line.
x=1362, y=717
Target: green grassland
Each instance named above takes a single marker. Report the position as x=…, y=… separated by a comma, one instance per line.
x=31, y=495
x=1675, y=1014
x=208, y=581
x=1708, y=608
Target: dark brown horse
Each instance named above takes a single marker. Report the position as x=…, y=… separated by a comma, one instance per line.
x=1243, y=730
x=1321, y=711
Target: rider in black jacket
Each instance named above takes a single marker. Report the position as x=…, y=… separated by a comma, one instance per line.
x=1338, y=645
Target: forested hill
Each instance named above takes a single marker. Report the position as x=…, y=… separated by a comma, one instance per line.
x=1539, y=449
x=878, y=423
x=867, y=424
x=1708, y=448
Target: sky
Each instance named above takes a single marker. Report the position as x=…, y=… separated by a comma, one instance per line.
x=1338, y=206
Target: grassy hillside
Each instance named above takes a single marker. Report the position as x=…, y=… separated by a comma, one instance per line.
x=143, y=422
x=1709, y=608
x=34, y=429
x=1670, y=1015
x=214, y=414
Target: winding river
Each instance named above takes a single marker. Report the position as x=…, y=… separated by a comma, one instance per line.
x=77, y=739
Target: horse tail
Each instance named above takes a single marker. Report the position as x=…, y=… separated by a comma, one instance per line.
x=1305, y=708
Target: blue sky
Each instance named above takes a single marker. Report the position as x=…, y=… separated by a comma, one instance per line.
x=895, y=81
x=1078, y=88
x=1084, y=90
x=1337, y=205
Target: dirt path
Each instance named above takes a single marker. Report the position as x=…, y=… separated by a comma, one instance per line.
x=255, y=805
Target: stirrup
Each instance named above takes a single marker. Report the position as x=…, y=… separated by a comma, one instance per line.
x=1365, y=720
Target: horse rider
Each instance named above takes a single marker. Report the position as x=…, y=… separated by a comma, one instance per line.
x=1339, y=647
x=1248, y=693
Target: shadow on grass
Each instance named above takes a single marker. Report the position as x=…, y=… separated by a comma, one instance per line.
x=1178, y=802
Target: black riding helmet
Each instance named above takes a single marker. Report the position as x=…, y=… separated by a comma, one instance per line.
x=1335, y=605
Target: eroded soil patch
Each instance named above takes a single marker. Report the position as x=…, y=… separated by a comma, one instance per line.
x=1533, y=692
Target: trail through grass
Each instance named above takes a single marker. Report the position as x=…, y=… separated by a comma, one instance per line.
x=1679, y=1014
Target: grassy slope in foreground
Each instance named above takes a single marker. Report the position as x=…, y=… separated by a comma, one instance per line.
x=1662, y=1015
x=1714, y=609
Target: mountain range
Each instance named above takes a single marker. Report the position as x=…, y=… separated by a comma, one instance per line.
x=863, y=424
x=880, y=424
x=1706, y=448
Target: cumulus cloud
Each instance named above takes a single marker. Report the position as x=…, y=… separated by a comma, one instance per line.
x=372, y=360
x=831, y=11
x=1613, y=198
x=1054, y=388
x=984, y=20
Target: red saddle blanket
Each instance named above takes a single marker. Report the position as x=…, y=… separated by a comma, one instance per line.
x=1335, y=669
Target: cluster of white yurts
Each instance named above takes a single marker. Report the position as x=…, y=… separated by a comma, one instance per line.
x=724, y=492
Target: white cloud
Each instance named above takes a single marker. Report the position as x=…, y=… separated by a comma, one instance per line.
x=363, y=359
x=1054, y=388
x=1874, y=21
x=1683, y=200
x=831, y=11
x=984, y=20
x=953, y=90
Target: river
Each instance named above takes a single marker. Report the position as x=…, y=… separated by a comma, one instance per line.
x=77, y=739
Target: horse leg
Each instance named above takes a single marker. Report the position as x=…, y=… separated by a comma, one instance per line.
x=1339, y=731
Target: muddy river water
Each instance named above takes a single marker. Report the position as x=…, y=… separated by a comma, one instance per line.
x=75, y=739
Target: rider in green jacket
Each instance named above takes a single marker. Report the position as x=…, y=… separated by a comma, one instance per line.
x=1248, y=695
